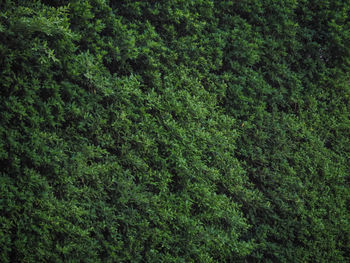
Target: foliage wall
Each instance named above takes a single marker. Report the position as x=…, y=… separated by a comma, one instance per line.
x=175, y=131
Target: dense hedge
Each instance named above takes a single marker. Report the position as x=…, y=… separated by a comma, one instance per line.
x=175, y=131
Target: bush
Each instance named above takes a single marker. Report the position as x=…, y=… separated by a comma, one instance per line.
x=174, y=131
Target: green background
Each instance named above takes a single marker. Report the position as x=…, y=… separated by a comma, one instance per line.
x=175, y=131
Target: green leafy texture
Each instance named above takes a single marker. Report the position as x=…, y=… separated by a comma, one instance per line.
x=174, y=131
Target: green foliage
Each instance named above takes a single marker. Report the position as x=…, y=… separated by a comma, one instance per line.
x=174, y=131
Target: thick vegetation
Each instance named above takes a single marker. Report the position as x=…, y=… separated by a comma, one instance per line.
x=175, y=131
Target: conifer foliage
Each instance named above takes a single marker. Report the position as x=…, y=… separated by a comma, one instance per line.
x=175, y=131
